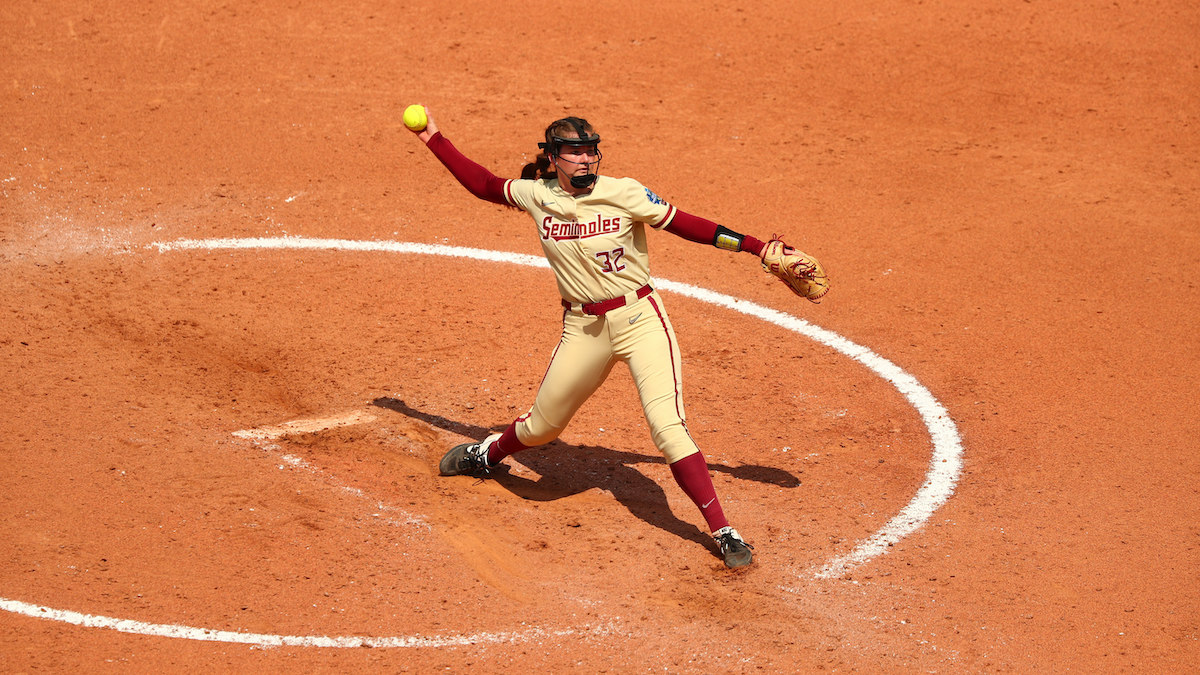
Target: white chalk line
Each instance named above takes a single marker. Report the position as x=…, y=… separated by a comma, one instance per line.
x=350, y=245
x=945, y=464
x=269, y=640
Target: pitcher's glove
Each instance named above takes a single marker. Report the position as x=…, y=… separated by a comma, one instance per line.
x=800, y=271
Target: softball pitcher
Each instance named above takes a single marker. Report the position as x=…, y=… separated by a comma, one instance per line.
x=593, y=233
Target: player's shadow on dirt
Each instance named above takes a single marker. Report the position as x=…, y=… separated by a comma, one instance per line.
x=567, y=469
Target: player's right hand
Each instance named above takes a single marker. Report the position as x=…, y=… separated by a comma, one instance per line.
x=430, y=129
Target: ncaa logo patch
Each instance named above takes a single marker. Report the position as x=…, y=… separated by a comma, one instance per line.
x=653, y=198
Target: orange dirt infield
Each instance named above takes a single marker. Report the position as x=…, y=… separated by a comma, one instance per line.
x=224, y=459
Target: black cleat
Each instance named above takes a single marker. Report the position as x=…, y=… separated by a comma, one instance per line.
x=468, y=459
x=733, y=547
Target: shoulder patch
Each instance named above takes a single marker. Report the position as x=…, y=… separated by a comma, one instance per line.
x=653, y=198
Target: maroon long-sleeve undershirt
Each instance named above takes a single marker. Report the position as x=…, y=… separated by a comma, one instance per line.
x=479, y=181
x=487, y=186
x=704, y=231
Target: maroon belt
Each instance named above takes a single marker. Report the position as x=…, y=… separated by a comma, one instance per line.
x=604, y=306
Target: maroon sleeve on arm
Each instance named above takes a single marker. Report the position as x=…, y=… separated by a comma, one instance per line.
x=692, y=228
x=704, y=231
x=478, y=180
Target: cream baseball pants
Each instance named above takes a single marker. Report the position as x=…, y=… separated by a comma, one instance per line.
x=638, y=334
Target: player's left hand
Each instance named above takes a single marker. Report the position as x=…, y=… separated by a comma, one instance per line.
x=800, y=271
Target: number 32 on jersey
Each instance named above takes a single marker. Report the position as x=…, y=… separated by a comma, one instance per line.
x=610, y=261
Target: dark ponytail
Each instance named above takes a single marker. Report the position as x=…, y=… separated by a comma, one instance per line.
x=539, y=168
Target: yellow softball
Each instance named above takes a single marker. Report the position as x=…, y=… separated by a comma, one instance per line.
x=414, y=117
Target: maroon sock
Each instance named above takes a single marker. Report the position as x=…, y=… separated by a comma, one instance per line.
x=506, y=445
x=691, y=473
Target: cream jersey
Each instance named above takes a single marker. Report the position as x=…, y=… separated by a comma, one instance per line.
x=595, y=242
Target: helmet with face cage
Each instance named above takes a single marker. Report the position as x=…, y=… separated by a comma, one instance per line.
x=556, y=138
